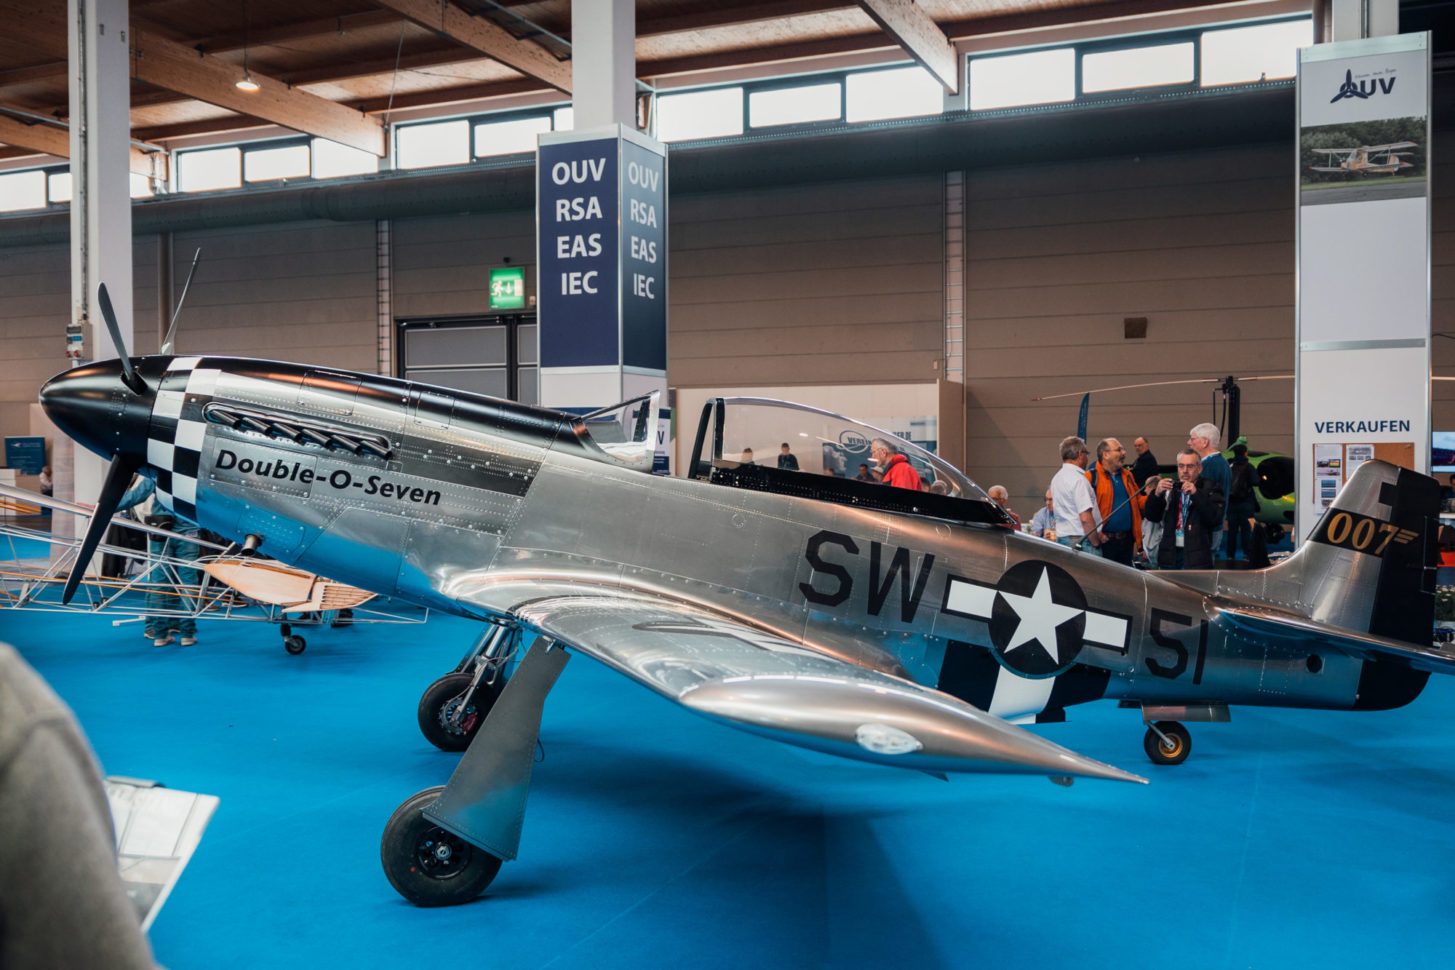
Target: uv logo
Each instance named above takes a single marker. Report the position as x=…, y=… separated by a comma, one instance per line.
x=1365, y=88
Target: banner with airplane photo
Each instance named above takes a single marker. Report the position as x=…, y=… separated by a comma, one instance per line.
x=1363, y=300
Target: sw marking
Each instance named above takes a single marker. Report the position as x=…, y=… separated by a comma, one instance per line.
x=910, y=591
x=340, y=479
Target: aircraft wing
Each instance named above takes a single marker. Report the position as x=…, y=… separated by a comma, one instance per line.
x=768, y=685
x=1390, y=146
x=1269, y=623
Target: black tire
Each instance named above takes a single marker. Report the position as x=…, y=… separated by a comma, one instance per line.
x=1174, y=750
x=427, y=865
x=438, y=703
x=294, y=645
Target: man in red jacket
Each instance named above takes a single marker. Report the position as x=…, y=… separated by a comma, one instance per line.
x=897, y=469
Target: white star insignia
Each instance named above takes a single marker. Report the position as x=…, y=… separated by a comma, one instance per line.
x=1040, y=615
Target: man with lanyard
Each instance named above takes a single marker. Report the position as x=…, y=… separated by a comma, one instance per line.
x=1118, y=501
x=1189, y=509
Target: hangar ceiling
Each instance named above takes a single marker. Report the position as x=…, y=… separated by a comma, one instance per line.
x=337, y=68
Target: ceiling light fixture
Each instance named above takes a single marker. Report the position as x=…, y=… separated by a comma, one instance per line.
x=246, y=82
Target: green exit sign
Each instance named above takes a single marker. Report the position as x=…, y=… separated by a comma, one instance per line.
x=507, y=288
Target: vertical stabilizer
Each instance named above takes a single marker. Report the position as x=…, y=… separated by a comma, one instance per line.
x=1369, y=563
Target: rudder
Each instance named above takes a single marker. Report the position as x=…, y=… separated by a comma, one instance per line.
x=1369, y=563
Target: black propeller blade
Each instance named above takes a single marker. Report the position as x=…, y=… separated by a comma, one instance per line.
x=119, y=474
x=118, y=477
x=129, y=376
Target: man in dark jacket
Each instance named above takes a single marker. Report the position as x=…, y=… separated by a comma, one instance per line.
x=1190, y=510
x=1145, y=466
x=1242, y=500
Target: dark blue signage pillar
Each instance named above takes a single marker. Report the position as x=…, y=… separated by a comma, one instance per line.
x=601, y=241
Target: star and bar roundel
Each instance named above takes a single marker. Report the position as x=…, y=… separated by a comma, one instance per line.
x=1038, y=618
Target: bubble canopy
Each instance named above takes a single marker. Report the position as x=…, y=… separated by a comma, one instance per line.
x=744, y=431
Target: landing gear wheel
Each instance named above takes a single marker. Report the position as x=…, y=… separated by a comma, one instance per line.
x=438, y=706
x=1172, y=751
x=294, y=644
x=427, y=865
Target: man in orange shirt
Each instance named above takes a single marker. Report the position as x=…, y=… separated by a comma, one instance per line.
x=1119, y=500
x=896, y=468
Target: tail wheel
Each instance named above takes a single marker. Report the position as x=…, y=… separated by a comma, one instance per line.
x=1170, y=748
x=428, y=865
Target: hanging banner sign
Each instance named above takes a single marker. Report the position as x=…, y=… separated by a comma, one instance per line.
x=577, y=282
x=644, y=256
x=1363, y=301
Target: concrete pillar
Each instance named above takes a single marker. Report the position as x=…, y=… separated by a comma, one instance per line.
x=1354, y=19
x=100, y=82
x=603, y=63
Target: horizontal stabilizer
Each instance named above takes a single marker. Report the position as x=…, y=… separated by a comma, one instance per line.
x=1369, y=646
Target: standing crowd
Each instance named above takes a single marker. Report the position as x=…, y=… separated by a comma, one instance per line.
x=1123, y=513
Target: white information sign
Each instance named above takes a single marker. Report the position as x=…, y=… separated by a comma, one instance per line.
x=1363, y=301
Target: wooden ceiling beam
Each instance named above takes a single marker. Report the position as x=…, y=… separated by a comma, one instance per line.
x=167, y=64
x=735, y=15
x=1066, y=16
x=465, y=92
x=330, y=73
x=56, y=140
x=38, y=72
x=263, y=36
x=408, y=61
x=205, y=77
x=919, y=35
x=494, y=41
x=803, y=50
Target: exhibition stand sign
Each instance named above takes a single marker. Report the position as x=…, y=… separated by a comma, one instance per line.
x=601, y=239
x=1363, y=301
x=25, y=453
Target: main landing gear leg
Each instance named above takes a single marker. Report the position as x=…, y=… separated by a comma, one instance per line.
x=452, y=709
x=444, y=845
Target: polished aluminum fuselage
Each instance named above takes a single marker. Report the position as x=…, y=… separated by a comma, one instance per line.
x=481, y=507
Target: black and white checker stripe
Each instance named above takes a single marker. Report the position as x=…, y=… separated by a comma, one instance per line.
x=174, y=442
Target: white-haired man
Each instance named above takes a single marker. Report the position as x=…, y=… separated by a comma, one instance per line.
x=1001, y=496
x=1205, y=439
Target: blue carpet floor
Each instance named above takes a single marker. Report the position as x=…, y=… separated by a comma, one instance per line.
x=655, y=838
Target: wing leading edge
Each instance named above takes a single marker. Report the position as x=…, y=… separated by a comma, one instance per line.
x=775, y=688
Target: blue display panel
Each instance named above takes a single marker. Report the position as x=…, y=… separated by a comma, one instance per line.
x=577, y=283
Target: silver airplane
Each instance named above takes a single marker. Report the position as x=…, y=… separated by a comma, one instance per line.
x=895, y=627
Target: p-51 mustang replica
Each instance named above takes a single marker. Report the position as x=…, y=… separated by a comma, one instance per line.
x=1374, y=159
x=895, y=627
